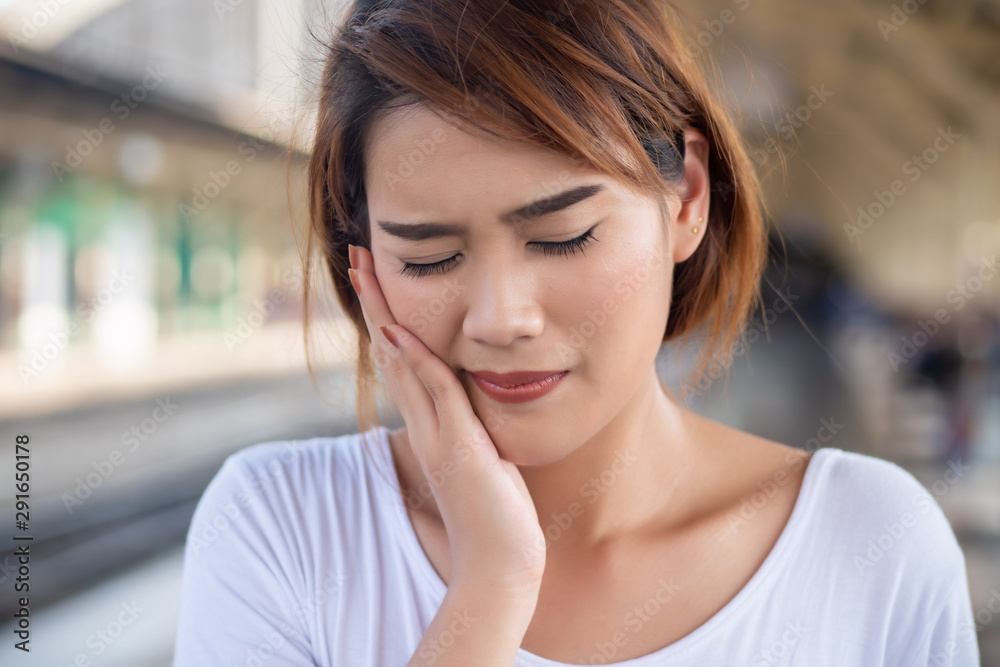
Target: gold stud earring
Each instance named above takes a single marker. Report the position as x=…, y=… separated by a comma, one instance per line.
x=694, y=230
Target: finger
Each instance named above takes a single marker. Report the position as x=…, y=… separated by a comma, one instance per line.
x=450, y=402
x=374, y=308
x=414, y=402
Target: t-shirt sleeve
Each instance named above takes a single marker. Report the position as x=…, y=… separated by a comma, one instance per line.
x=240, y=589
x=913, y=572
x=935, y=619
x=952, y=634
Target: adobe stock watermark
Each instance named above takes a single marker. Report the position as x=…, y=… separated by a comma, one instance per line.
x=423, y=148
x=121, y=108
x=209, y=529
x=723, y=189
x=246, y=326
x=781, y=649
x=452, y=288
x=635, y=620
x=414, y=158
x=792, y=121
x=276, y=124
x=536, y=203
x=219, y=180
x=438, y=646
x=715, y=27
x=386, y=356
x=130, y=440
x=225, y=7
x=723, y=359
x=963, y=292
x=7, y=569
x=915, y=167
x=33, y=24
x=304, y=608
x=104, y=637
x=269, y=643
x=38, y=360
x=901, y=13
x=316, y=599
x=414, y=499
x=750, y=507
x=893, y=533
x=981, y=618
x=592, y=490
x=419, y=320
x=597, y=318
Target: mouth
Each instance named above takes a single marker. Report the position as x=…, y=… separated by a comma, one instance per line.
x=514, y=378
x=518, y=386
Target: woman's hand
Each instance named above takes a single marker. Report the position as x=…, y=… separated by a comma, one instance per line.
x=491, y=521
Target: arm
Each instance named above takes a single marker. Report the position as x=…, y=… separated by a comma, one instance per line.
x=476, y=627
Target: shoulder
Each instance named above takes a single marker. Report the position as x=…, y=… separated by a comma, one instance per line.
x=288, y=453
x=279, y=486
x=874, y=492
x=883, y=521
x=892, y=551
x=303, y=463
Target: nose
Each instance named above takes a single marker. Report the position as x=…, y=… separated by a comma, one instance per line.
x=502, y=304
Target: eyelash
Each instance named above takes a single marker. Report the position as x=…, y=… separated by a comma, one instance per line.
x=548, y=248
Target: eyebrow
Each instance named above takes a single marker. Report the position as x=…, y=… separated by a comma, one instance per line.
x=432, y=230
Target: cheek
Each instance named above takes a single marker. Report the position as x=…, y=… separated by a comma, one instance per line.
x=404, y=298
x=587, y=307
x=622, y=289
x=616, y=314
x=423, y=307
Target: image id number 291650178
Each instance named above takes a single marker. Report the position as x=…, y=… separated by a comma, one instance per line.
x=22, y=485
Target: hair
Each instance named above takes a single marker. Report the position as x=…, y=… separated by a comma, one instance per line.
x=577, y=77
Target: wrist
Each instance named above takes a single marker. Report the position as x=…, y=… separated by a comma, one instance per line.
x=501, y=603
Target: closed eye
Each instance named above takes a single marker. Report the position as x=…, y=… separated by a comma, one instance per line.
x=548, y=248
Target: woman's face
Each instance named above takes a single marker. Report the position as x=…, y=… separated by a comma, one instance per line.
x=503, y=303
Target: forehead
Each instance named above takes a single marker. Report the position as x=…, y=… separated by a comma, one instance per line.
x=415, y=158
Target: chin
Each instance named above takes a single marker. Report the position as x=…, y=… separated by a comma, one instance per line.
x=533, y=449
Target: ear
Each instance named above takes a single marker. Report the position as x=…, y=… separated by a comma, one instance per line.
x=695, y=191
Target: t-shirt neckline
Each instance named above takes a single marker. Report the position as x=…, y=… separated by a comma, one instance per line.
x=779, y=552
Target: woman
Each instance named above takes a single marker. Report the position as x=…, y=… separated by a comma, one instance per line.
x=527, y=195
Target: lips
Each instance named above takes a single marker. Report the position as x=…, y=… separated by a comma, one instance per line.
x=519, y=386
x=514, y=378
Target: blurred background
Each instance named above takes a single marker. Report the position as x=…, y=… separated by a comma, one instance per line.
x=150, y=279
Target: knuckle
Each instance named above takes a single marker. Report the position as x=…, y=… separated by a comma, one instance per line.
x=406, y=337
x=396, y=363
x=436, y=389
x=382, y=360
x=385, y=360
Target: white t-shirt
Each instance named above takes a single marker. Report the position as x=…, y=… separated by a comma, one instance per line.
x=301, y=553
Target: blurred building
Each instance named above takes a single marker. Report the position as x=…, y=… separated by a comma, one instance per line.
x=144, y=189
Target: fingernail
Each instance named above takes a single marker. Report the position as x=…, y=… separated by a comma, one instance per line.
x=352, y=255
x=388, y=336
x=355, y=281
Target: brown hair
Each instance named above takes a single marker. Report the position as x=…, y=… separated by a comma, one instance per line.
x=570, y=75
